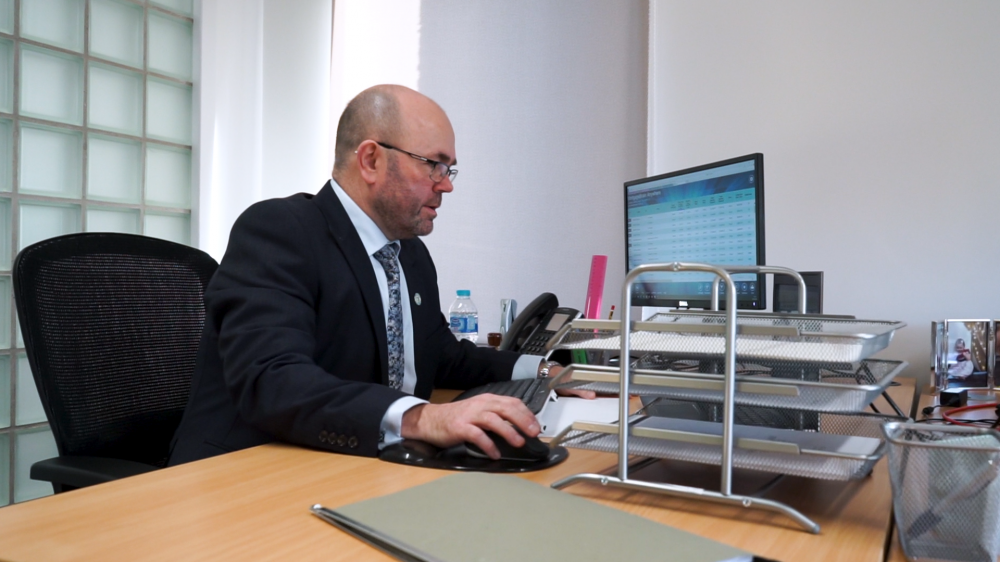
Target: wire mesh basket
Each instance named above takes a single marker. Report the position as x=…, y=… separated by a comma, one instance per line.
x=857, y=439
x=945, y=491
x=774, y=384
x=763, y=336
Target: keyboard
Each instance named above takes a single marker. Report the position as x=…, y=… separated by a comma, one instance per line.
x=533, y=392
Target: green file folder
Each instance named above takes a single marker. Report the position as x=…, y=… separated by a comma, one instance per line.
x=487, y=517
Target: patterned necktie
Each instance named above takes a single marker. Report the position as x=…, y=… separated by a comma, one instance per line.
x=394, y=327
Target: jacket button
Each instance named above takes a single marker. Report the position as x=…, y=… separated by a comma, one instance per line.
x=352, y=442
x=341, y=440
x=322, y=436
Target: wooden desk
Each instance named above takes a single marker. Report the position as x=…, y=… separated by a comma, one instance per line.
x=254, y=505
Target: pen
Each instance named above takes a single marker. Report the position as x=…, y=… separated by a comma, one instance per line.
x=612, y=313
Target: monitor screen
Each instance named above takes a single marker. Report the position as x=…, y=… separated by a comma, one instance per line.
x=709, y=214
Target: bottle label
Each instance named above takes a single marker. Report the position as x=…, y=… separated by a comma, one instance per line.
x=464, y=324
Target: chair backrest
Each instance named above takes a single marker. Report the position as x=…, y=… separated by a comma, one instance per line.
x=111, y=325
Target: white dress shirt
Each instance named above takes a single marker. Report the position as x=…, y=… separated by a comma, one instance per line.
x=373, y=240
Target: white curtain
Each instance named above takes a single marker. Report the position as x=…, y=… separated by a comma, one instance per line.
x=263, y=91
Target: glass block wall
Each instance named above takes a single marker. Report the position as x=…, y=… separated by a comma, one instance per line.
x=95, y=135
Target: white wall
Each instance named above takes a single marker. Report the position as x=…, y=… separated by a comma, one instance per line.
x=548, y=101
x=880, y=127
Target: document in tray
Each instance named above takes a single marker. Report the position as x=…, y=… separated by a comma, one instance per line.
x=489, y=517
x=807, y=441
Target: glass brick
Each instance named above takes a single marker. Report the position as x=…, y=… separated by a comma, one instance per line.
x=51, y=161
x=185, y=7
x=6, y=155
x=168, y=111
x=44, y=220
x=115, y=100
x=114, y=169
x=31, y=446
x=7, y=19
x=6, y=233
x=4, y=469
x=51, y=85
x=170, y=41
x=17, y=328
x=29, y=405
x=4, y=391
x=5, y=308
x=116, y=31
x=57, y=22
x=6, y=76
x=112, y=220
x=168, y=176
x=176, y=228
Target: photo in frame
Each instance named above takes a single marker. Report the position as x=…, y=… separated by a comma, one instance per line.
x=965, y=353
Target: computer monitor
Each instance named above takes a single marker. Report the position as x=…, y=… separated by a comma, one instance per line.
x=709, y=214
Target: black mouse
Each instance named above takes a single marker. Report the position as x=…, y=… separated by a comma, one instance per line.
x=534, y=449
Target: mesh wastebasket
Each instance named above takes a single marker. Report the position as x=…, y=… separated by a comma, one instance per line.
x=945, y=491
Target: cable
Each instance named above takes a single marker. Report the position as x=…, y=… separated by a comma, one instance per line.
x=948, y=415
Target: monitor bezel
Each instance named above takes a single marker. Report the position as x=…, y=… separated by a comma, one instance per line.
x=751, y=302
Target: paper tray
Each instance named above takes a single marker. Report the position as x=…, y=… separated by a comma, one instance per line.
x=775, y=337
x=773, y=385
x=702, y=448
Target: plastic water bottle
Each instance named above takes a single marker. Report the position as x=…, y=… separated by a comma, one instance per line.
x=464, y=318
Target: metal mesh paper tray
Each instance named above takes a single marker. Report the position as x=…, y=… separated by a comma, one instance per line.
x=791, y=458
x=773, y=385
x=777, y=337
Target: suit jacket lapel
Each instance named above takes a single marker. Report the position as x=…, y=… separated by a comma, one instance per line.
x=347, y=239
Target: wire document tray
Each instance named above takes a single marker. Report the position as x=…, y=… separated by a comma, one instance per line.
x=777, y=393
x=945, y=490
x=767, y=384
x=844, y=448
x=776, y=337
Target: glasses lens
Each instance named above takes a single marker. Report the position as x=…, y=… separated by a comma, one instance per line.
x=439, y=172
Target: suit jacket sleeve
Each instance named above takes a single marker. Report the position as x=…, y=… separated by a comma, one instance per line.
x=283, y=377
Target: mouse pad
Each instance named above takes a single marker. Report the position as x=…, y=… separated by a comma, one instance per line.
x=418, y=453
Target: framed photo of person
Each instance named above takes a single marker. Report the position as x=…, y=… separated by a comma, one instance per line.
x=965, y=353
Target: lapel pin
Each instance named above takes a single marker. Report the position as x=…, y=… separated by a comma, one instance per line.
x=416, y=298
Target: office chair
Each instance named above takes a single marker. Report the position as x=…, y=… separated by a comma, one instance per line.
x=111, y=325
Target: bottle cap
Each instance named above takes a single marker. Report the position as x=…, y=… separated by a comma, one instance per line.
x=464, y=293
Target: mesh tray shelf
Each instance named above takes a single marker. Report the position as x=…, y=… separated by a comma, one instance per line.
x=766, y=384
x=776, y=337
x=809, y=464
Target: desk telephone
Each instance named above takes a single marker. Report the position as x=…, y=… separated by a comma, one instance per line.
x=536, y=325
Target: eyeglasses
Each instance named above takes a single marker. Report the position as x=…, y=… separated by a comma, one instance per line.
x=439, y=170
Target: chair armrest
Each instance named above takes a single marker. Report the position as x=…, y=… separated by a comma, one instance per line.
x=80, y=472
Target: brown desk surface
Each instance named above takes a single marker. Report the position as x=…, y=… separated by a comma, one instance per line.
x=254, y=505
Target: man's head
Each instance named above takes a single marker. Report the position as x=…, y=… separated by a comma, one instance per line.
x=388, y=140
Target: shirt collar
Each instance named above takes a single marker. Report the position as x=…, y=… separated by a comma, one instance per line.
x=371, y=235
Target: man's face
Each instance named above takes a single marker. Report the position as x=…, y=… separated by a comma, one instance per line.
x=407, y=200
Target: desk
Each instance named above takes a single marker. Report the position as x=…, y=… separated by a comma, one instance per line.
x=254, y=505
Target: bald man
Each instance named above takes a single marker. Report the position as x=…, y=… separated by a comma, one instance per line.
x=323, y=324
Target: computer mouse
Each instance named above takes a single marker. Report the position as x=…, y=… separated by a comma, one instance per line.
x=534, y=449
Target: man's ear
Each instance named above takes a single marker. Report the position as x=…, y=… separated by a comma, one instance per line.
x=368, y=157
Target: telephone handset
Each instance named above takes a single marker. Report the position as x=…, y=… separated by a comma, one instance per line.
x=536, y=325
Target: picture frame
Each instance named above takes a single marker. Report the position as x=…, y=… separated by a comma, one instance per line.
x=965, y=353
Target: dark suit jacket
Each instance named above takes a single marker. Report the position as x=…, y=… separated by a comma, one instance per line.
x=294, y=347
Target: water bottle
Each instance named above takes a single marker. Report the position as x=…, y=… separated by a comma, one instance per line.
x=464, y=318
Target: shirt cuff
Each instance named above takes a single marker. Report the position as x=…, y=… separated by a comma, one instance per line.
x=526, y=367
x=392, y=421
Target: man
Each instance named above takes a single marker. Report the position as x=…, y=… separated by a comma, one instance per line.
x=323, y=324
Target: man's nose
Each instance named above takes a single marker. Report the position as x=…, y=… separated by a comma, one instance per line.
x=445, y=185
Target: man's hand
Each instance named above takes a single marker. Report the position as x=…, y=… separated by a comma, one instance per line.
x=467, y=420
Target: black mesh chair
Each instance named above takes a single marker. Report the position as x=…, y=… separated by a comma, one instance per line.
x=111, y=324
